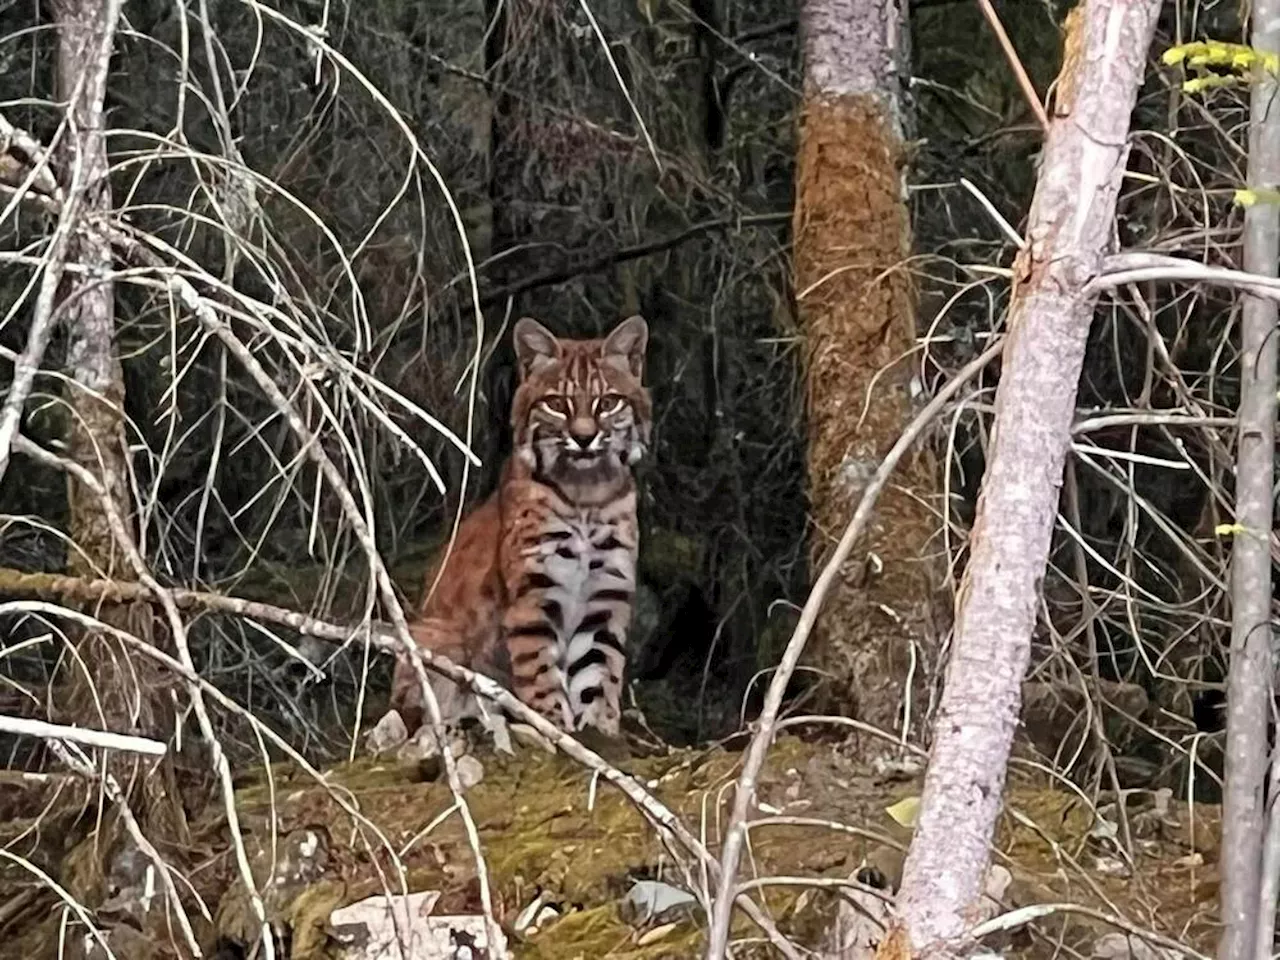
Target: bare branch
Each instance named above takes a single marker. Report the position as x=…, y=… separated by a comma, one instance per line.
x=762, y=739
x=91, y=738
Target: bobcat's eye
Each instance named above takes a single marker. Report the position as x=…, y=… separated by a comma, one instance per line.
x=609, y=404
x=556, y=405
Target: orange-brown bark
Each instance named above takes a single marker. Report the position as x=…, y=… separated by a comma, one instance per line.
x=856, y=306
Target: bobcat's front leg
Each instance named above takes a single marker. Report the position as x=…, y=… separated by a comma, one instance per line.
x=531, y=629
x=438, y=637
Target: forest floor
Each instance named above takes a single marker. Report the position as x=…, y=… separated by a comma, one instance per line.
x=578, y=847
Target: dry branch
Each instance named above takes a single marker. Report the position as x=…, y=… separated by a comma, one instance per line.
x=583, y=262
x=766, y=726
x=103, y=739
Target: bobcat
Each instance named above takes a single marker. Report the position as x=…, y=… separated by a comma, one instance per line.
x=541, y=578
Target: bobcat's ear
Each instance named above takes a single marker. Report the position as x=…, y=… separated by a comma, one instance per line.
x=536, y=346
x=626, y=344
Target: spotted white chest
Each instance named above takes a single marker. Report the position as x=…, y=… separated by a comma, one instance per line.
x=586, y=565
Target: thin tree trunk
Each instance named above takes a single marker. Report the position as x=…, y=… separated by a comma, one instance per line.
x=1269, y=892
x=856, y=306
x=86, y=29
x=1069, y=229
x=1249, y=677
x=104, y=686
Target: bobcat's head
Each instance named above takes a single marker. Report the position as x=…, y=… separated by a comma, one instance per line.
x=581, y=415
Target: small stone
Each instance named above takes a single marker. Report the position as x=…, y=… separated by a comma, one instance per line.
x=423, y=746
x=387, y=733
x=1110, y=867
x=470, y=772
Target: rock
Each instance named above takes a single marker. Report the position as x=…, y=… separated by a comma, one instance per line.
x=424, y=746
x=387, y=733
x=652, y=901
x=1122, y=946
x=994, y=889
x=365, y=931
x=862, y=920
x=470, y=772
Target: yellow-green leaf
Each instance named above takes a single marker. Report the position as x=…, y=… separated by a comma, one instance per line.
x=1209, y=81
x=905, y=811
x=1248, y=198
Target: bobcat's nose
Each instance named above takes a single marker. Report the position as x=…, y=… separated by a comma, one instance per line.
x=583, y=433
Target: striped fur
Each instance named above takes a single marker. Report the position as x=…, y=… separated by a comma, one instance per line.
x=539, y=586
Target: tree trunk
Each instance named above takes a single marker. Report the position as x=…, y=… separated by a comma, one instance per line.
x=857, y=310
x=1250, y=675
x=96, y=395
x=105, y=688
x=1069, y=229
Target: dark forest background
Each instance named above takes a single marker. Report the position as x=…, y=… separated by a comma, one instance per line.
x=603, y=159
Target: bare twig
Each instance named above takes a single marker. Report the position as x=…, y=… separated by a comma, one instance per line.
x=27, y=364
x=1121, y=269
x=1038, y=911
x=596, y=262
x=1019, y=71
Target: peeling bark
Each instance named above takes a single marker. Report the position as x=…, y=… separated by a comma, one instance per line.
x=1069, y=230
x=857, y=310
x=1250, y=674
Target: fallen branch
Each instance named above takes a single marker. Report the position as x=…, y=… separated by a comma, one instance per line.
x=745, y=790
x=87, y=590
